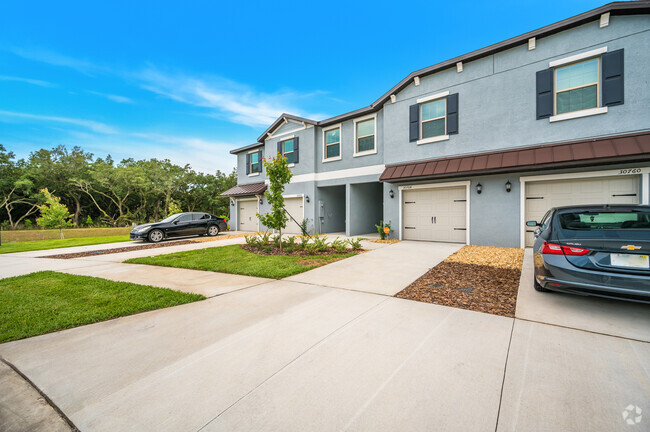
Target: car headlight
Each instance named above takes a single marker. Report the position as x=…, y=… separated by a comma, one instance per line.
x=143, y=229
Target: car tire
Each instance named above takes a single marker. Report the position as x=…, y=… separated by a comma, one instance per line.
x=155, y=236
x=538, y=287
x=213, y=230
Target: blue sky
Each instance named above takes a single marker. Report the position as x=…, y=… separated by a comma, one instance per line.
x=191, y=80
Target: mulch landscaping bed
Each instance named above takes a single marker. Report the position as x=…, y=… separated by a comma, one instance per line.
x=298, y=252
x=387, y=241
x=483, y=279
x=141, y=247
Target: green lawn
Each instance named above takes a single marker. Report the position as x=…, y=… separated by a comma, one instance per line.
x=233, y=259
x=46, y=301
x=55, y=244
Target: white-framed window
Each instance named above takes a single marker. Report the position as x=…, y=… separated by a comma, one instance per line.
x=255, y=164
x=332, y=144
x=577, y=86
x=288, y=150
x=434, y=118
x=365, y=136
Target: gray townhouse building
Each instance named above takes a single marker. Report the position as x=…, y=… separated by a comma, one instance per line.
x=469, y=149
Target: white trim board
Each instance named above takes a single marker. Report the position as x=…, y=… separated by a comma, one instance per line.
x=642, y=172
x=466, y=183
x=433, y=97
x=575, y=58
x=339, y=174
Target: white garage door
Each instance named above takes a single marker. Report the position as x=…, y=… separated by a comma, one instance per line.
x=294, y=207
x=543, y=195
x=248, y=215
x=437, y=214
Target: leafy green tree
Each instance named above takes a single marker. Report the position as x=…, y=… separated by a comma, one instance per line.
x=53, y=213
x=89, y=221
x=18, y=196
x=279, y=174
x=174, y=208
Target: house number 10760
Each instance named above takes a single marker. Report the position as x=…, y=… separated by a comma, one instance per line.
x=630, y=171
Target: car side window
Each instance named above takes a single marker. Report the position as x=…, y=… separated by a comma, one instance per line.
x=185, y=218
x=545, y=221
x=205, y=216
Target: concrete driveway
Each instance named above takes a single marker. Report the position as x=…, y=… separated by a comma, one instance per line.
x=326, y=351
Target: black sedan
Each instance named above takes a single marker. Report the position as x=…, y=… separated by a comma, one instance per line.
x=180, y=225
x=594, y=250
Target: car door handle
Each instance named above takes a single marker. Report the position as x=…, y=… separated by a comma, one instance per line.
x=433, y=219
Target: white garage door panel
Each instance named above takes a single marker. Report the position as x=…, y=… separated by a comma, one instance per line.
x=248, y=215
x=435, y=214
x=543, y=195
x=294, y=207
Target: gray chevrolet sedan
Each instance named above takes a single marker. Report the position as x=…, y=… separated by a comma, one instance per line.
x=599, y=250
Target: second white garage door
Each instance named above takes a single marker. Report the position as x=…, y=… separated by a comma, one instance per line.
x=294, y=207
x=437, y=214
x=543, y=195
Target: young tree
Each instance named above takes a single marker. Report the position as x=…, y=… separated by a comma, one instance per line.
x=53, y=213
x=279, y=174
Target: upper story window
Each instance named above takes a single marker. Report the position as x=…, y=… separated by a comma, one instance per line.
x=332, y=140
x=577, y=86
x=364, y=131
x=581, y=85
x=434, y=118
x=289, y=149
x=254, y=163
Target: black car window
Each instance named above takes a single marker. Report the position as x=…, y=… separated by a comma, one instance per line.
x=545, y=220
x=185, y=218
x=205, y=216
x=605, y=220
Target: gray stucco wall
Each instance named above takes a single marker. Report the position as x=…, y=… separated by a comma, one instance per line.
x=332, y=218
x=366, y=205
x=497, y=95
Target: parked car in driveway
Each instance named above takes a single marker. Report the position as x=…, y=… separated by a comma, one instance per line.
x=180, y=225
x=599, y=250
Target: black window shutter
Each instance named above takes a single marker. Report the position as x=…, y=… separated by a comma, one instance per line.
x=544, y=93
x=414, y=122
x=613, y=78
x=248, y=163
x=259, y=160
x=295, y=150
x=452, y=114
x=280, y=148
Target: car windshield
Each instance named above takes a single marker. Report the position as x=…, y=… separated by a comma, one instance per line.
x=171, y=218
x=605, y=220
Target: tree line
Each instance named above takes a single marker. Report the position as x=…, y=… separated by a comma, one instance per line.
x=101, y=191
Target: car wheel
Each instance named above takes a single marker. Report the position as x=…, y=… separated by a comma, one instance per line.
x=155, y=236
x=213, y=230
x=538, y=287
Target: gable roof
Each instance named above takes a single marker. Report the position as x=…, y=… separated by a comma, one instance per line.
x=616, y=8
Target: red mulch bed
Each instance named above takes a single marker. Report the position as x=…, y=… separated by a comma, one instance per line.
x=467, y=286
x=118, y=250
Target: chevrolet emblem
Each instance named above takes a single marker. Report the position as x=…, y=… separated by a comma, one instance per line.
x=630, y=247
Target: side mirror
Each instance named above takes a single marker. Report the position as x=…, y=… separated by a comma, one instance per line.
x=532, y=224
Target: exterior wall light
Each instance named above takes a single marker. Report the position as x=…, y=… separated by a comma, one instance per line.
x=479, y=188
x=307, y=198
x=508, y=186
x=261, y=200
x=391, y=194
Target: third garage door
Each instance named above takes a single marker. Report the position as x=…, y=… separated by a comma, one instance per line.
x=543, y=195
x=437, y=214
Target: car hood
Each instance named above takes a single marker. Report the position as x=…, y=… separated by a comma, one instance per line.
x=150, y=225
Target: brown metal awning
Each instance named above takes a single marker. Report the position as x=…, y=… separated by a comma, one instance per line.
x=245, y=189
x=608, y=150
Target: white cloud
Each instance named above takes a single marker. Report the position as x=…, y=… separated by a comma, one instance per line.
x=43, y=56
x=114, y=98
x=88, y=124
x=26, y=80
x=225, y=98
